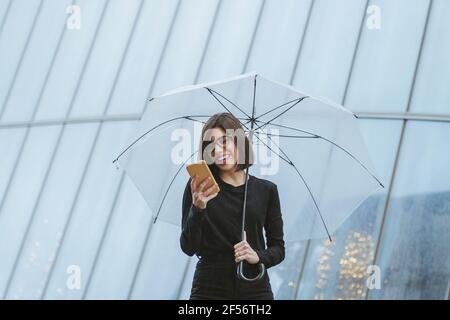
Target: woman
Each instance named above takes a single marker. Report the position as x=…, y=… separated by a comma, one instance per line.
x=211, y=222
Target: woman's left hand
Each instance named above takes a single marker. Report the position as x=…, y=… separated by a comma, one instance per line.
x=243, y=251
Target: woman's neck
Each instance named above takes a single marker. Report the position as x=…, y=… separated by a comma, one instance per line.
x=235, y=178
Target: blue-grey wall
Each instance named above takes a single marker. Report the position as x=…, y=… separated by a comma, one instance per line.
x=69, y=98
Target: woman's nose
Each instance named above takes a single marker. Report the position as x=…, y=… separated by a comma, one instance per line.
x=219, y=150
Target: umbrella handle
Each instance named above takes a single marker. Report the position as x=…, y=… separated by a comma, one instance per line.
x=240, y=272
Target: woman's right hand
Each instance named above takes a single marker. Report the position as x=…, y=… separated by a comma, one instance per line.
x=200, y=193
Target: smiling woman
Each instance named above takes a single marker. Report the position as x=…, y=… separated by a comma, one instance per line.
x=211, y=221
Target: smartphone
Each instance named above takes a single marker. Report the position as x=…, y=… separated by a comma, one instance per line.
x=201, y=169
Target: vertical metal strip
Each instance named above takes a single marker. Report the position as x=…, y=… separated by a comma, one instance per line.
x=22, y=55
x=5, y=15
x=255, y=31
x=102, y=240
x=402, y=134
x=302, y=40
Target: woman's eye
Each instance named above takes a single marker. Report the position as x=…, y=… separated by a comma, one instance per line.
x=220, y=141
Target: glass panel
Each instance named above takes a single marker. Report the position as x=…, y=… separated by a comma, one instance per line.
x=81, y=241
x=163, y=268
x=68, y=65
x=143, y=56
x=327, y=53
x=414, y=253
x=3, y=9
x=386, y=57
x=119, y=252
x=186, y=44
x=41, y=47
x=274, y=56
x=13, y=39
x=230, y=41
x=50, y=211
x=20, y=199
x=105, y=59
x=10, y=143
x=431, y=94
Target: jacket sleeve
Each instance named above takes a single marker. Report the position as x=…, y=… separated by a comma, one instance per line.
x=191, y=223
x=274, y=253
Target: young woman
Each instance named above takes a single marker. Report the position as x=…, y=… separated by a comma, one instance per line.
x=211, y=222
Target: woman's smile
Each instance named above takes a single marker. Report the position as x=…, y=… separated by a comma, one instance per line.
x=224, y=159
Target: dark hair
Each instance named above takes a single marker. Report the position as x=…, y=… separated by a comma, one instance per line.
x=224, y=121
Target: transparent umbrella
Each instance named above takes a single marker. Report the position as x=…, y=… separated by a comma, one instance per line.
x=310, y=147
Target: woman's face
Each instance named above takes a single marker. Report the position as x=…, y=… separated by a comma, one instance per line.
x=225, y=151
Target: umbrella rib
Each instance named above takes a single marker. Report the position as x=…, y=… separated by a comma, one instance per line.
x=289, y=161
x=335, y=144
x=315, y=203
x=281, y=113
x=155, y=127
x=195, y=120
x=170, y=185
x=288, y=135
x=204, y=122
x=213, y=93
x=286, y=160
x=277, y=107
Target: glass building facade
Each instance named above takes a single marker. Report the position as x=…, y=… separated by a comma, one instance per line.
x=74, y=78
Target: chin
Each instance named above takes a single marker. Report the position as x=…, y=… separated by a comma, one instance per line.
x=225, y=167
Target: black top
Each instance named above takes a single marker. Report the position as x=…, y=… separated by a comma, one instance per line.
x=216, y=229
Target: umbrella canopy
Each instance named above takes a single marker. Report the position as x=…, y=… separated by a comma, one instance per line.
x=310, y=147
